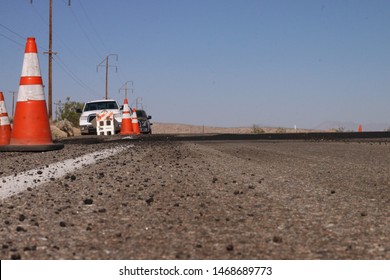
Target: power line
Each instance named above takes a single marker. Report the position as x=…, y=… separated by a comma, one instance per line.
x=13, y=32
x=45, y=22
x=90, y=22
x=57, y=36
x=73, y=76
x=12, y=40
x=120, y=77
x=50, y=53
x=59, y=61
x=85, y=33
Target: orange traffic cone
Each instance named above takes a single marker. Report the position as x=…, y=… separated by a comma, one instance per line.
x=126, y=127
x=31, y=129
x=134, y=121
x=5, y=126
x=360, y=128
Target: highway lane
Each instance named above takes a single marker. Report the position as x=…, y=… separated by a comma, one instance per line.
x=167, y=199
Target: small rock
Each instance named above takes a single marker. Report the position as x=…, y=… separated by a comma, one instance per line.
x=30, y=248
x=15, y=257
x=277, y=239
x=230, y=247
x=88, y=201
x=19, y=229
x=149, y=200
x=62, y=224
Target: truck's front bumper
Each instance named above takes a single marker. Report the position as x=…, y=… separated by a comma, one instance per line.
x=87, y=129
x=90, y=129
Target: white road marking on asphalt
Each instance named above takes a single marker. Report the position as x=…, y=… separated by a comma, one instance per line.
x=15, y=184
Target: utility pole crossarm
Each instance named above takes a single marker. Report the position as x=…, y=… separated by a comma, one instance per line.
x=126, y=88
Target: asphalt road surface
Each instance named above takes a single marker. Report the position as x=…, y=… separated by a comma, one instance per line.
x=197, y=200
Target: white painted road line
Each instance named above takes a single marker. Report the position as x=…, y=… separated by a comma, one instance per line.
x=15, y=184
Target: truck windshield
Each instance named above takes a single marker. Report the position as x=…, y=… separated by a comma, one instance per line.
x=141, y=114
x=106, y=105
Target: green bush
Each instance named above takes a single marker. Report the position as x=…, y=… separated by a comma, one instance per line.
x=68, y=109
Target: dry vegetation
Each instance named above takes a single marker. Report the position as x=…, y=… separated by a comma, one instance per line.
x=58, y=131
x=171, y=128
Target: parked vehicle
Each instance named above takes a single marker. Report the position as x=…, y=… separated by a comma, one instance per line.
x=145, y=126
x=88, y=115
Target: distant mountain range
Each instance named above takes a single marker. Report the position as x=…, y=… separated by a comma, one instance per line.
x=352, y=126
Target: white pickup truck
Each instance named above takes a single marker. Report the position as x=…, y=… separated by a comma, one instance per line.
x=88, y=115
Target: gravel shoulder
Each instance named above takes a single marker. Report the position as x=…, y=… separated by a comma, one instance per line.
x=205, y=200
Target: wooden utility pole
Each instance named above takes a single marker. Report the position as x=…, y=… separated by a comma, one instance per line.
x=13, y=102
x=107, y=66
x=50, y=53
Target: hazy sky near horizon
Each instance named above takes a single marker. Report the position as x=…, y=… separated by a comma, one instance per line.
x=213, y=62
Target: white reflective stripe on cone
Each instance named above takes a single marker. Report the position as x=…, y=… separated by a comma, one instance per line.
x=126, y=108
x=2, y=107
x=4, y=121
x=30, y=92
x=30, y=65
x=126, y=116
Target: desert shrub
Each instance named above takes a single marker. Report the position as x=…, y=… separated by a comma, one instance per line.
x=257, y=130
x=67, y=111
x=339, y=129
x=281, y=130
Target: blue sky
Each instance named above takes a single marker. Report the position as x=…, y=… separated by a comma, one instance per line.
x=213, y=62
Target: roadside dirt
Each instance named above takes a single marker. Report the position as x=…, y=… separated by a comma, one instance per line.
x=175, y=128
x=204, y=200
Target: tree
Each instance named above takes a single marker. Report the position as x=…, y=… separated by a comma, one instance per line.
x=68, y=111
